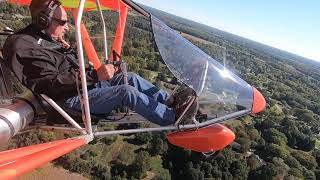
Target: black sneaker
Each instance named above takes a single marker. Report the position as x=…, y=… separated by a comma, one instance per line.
x=185, y=105
x=180, y=96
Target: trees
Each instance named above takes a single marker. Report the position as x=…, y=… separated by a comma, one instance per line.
x=161, y=77
x=296, y=173
x=143, y=138
x=253, y=162
x=108, y=139
x=244, y=144
x=293, y=162
x=119, y=170
x=274, y=150
x=80, y=166
x=145, y=74
x=140, y=165
x=157, y=146
x=295, y=135
x=88, y=155
x=272, y=135
x=265, y=172
x=305, y=159
x=194, y=174
x=254, y=134
x=239, y=169
x=207, y=169
x=100, y=172
x=163, y=175
x=308, y=174
x=153, y=65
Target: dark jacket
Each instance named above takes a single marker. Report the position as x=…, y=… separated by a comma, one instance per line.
x=42, y=64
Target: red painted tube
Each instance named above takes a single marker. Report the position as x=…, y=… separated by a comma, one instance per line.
x=13, y=154
x=27, y=163
x=259, y=102
x=87, y=44
x=117, y=44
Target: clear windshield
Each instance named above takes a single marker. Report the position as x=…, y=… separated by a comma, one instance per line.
x=220, y=91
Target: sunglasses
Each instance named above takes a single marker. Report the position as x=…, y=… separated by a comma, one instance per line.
x=59, y=21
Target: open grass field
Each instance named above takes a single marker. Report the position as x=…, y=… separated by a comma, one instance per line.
x=50, y=172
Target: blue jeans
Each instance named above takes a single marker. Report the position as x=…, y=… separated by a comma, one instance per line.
x=140, y=96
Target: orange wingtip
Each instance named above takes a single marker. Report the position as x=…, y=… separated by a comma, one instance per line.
x=211, y=138
x=259, y=103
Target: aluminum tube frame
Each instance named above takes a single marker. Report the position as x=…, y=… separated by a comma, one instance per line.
x=85, y=99
x=104, y=31
x=168, y=128
x=63, y=113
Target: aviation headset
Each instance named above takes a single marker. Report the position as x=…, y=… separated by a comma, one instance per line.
x=44, y=17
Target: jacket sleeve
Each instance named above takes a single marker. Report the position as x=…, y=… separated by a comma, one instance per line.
x=43, y=75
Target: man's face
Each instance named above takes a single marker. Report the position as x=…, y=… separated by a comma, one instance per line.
x=59, y=25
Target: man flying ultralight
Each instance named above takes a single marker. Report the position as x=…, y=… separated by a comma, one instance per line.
x=44, y=63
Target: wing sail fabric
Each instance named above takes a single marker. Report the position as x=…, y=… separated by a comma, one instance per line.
x=71, y=4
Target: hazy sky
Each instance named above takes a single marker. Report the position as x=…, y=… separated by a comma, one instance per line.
x=291, y=25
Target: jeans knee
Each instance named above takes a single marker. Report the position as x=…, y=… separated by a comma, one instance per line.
x=127, y=90
x=132, y=75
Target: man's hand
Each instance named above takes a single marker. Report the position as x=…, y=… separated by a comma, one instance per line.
x=106, y=72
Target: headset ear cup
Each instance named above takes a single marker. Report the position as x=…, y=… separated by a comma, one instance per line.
x=42, y=20
x=44, y=17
